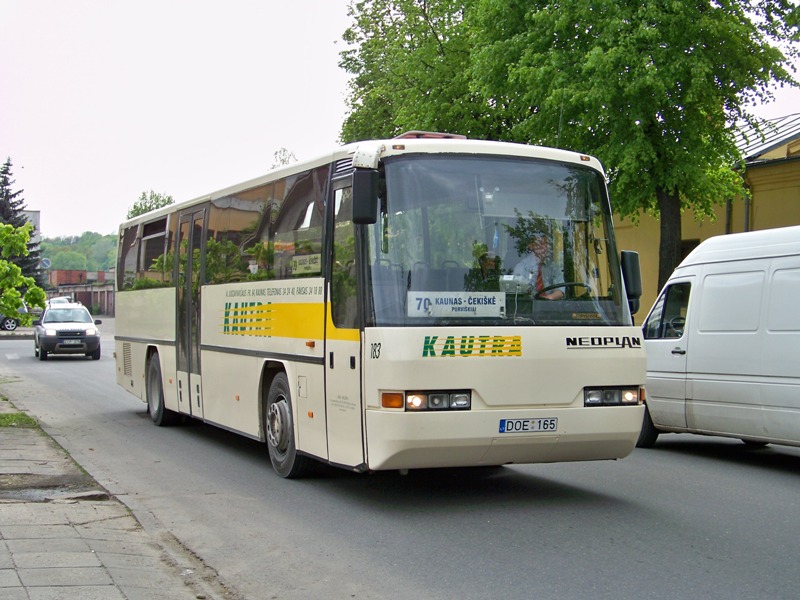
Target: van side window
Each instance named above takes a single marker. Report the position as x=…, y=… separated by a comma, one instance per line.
x=668, y=316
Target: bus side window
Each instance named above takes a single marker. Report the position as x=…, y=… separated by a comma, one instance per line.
x=298, y=229
x=128, y=258
x=153, y=271
x=344, y=305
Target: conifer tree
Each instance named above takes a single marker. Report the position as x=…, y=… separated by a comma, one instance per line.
x=12, y=206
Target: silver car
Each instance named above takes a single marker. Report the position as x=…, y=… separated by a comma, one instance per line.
x=66, y=329
x=11, y=323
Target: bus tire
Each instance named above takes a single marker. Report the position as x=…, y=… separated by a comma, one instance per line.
x=159, y=413
x=279, y=430
x=649, y=433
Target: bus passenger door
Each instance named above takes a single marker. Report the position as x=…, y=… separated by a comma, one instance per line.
x=343, y=343
x=189, y=251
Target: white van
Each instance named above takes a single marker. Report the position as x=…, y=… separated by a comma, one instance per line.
x=723, y=342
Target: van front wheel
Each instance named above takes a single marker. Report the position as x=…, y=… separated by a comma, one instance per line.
x=649, y=433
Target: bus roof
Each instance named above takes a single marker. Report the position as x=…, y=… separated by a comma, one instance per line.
x=413, y=142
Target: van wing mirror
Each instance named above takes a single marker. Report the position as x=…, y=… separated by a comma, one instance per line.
x=365, y=196
x=632, y=274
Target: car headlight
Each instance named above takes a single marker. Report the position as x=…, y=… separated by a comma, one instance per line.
x=50, y=332
x=91, y=331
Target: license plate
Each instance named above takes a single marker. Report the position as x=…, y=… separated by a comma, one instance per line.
x=72, y=342
x=526, y=425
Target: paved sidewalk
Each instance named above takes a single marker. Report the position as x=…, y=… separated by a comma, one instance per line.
x=63, y=538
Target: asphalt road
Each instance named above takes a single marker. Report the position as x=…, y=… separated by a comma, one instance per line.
x=691, y=518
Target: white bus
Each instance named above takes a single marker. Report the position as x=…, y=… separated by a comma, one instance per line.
x=362, y=310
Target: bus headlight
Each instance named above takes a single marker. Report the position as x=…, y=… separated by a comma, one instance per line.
x=430, y=401
x=611, y=396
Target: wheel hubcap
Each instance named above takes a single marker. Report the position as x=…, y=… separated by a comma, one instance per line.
x=278, y=425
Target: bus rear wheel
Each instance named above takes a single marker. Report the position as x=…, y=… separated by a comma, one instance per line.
x=279, y=429
x=159, y=413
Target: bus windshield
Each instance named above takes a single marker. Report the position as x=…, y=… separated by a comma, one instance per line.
x=483, y=240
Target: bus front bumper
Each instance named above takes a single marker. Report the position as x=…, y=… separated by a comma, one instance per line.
x=403, y=440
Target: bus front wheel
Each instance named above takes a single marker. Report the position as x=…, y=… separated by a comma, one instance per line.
x=649, y=433
x=279, y=428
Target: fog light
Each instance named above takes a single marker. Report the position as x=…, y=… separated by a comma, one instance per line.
x=438, y=401
x=459, y=400
x=593, y=398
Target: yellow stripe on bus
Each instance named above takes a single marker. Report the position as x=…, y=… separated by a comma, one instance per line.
x=287, y=320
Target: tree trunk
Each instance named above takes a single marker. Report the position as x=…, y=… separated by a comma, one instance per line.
x=669, y=247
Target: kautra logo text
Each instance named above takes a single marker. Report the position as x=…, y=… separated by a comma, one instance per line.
x=472, y=345
x=242, y=318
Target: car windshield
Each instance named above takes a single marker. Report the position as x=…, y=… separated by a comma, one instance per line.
x=67, y=315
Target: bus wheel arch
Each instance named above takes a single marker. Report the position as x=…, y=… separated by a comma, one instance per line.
x=279, y=426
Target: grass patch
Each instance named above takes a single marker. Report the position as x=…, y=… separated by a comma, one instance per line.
x=17, y=420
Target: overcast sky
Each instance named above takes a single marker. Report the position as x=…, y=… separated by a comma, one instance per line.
x=101, y=101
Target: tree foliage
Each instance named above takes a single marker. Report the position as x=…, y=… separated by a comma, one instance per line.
x=12, y=206
x=69, y=260
x=97, y=252
x=408, y=62
x=147, y=202
x=15, y=287
x=650, y=88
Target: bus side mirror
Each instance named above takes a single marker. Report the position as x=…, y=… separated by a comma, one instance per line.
x=632, y=275
x=365, y=196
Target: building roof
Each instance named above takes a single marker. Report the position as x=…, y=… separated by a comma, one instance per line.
x=774, y=134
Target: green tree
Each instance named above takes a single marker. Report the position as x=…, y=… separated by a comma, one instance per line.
x=147, y=202
x=99, y=250
x=650, y=88
x=12, y=206
x=14, y=285
x=409, y=64
x=101, y=254
x=69, y=260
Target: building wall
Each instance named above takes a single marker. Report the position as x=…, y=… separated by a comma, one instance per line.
x=775, y=202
